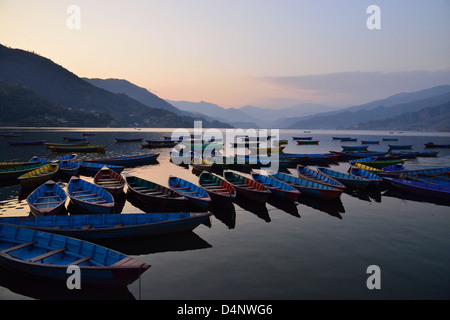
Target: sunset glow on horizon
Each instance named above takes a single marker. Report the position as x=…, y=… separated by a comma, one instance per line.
x=235, y=53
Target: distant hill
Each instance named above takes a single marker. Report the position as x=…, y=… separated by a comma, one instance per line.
x=381, y=109
x=20, y=106
x=151, y=100
x=437, y=117
x=62, y=87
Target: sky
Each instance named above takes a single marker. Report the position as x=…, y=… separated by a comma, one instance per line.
x=268, y=53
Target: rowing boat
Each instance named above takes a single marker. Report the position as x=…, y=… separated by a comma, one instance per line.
x=48, y=255
x=309, y=188
x=219, y=189
x=378, y=163
x=48, y=199
x=128, y=161
x=358, y=172
x=347, y=155
x=421, y=188
x=370, y=141
x=128, y=139
x=302, y=142
x=69, y=168
x=39, y=175
x=302, y=138
x=26, y=143
x=354, y=148
x=155, y=194
x=394, y=168
x=78, y=143
x=159, y=144
x=349, y=139
x=277, y=187
x=75, y=138
x=390, y=139
x=201, y=164
x=196, y=195
x=15, y=164
x=246, y=187
x=92, y=168
x=89, y=197
x=346, y=179
x=93, y=227
x=110, y=181
x=78, y=148
x=14, y=172
x=399, y=146
x=433, y=145
x=316, y=176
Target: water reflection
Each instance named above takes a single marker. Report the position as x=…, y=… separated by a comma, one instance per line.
x=36, y=288
x=286, y=206
x=333, y=207
x=392, y=193
x=257, y=208
x=226, y=214
x=182, y=241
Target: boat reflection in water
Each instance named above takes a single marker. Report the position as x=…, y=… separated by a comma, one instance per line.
x=257, y=208
x=226, y=214
x=332, y=207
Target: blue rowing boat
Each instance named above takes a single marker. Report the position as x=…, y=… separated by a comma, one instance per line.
x=69, y=168
x=247, y=188
x=354, y=148
x=316, y=176
x=112, y=226
x=400, y=146
x=194, y=193
x=93, y=168
x=421, y=188
x=129, y=161
x=277, y=187
x=358, y=172
x=307, y=187
x=346, y=179
x=89, y=197
x=47, y=199
x=302, y=138
x=48, y=255
x=394, y=168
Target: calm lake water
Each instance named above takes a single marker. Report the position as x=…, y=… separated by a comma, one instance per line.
x=310, y=250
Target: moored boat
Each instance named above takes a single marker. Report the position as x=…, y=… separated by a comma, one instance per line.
x=302, y=142
x=358, y=172
x=378, y=163
x=48, y=199
x=346, y=179
x=433, y=145
x=69, y=168
x=39, y=175
x=26, y=143
x=246, y=187
x=48, y=255
x=390, y=139
x=92, y=167
x=400, y=146
x=78, y=148
x=219, y=189
x=370, y=141
x=277, y=187
x=316, y=176
x=77, y=143
x=419, y=187
x=354, y=148
x=128, y=161
x=395, y=168
x=309, y=188
x=112, y=226
x=159, y=144
x=110, y=181
x=128, y=139
x=201, y=164
x=155, y=194
x=302, y=138
x=195, y=194
x=14, y=172
x=75, y=138
x=89, y=197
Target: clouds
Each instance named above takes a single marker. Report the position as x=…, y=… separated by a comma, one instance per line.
x=350, y=88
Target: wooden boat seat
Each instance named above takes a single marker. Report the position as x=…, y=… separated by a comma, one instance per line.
x=86, y=195
x=106, y=180
x=49, y=197
x=79, y=261
x=20, y=246
x=45, y=203
x=181, y=188
x=46, y=255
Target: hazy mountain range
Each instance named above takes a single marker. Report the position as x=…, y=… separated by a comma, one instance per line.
x=36, y=91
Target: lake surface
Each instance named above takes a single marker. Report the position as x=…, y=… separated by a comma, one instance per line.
x=310, y=250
